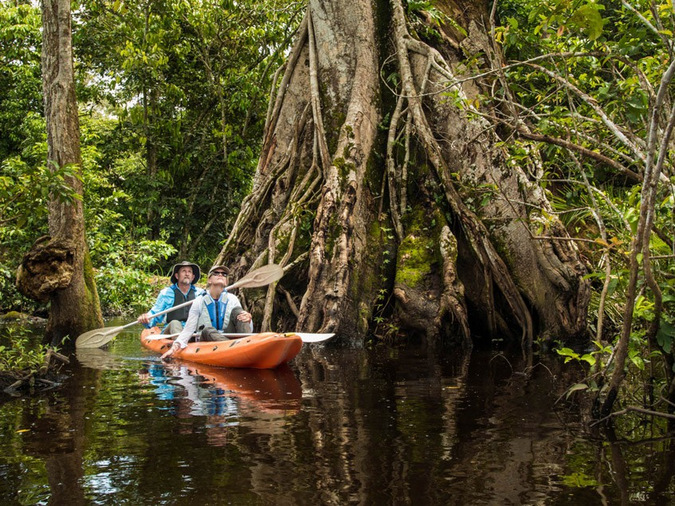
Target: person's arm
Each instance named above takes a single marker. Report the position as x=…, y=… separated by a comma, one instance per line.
x=190, y=327
x=244, y=316
x=164, y=301
x=190, y=324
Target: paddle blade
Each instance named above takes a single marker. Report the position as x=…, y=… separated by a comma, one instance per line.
x=306, y=338
x=313, y=338
x=97, y=338
x=260, y=277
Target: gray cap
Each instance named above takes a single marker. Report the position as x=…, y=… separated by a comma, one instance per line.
x=219, y=268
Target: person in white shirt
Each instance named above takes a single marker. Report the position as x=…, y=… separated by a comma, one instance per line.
x=216, y=312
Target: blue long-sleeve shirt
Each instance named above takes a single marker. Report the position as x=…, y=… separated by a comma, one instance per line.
x=165, y=301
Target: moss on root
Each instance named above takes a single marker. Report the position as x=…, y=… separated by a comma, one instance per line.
x=418, y=252
x=92, y=303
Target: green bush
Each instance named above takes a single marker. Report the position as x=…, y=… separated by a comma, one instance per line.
x=10, y=298
x=123, y=290
x=20, y=354
x=122, y=280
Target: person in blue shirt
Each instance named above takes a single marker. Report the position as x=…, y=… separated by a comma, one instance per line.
x=181, y=290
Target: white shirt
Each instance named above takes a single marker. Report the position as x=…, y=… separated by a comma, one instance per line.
x=199, y=312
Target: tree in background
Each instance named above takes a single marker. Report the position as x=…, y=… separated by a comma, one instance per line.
x=430, y=197
x=210, y=66
x=417, y=166
x=58, y=266
x=187, y=85
x=589, y=86
x=25, y=181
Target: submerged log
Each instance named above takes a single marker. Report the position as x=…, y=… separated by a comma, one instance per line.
x=45, y=378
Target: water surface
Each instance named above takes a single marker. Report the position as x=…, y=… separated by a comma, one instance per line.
x=337, y=426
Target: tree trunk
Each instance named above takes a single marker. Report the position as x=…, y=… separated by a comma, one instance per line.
x=58, y=268
x=388, y=201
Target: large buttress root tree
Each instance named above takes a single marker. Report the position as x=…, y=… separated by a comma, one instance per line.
x=57, y=268
x=383, y=198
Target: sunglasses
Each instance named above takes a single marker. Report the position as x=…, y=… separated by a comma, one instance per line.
x=218, y=273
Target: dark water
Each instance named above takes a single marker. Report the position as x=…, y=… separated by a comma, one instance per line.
x=338, y=426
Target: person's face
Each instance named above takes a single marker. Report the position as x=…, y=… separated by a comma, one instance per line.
x=218, y=277
x=185, y=275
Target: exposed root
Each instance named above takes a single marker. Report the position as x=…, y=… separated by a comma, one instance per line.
x=392, y=178
x=289, y=300
x=303, y=173
x=473, y=228
x=315, y=97
x=452, y=298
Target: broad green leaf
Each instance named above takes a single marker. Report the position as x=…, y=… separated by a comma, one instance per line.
x=665, y=336
x=589, y=358
x=588, y=18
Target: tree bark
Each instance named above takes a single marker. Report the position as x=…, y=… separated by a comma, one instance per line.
x=391, y=202
x=58, y=268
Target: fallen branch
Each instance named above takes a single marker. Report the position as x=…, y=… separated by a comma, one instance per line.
x=636, y=409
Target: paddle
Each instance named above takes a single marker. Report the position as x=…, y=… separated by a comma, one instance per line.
x=306, y=338
x=259, y=277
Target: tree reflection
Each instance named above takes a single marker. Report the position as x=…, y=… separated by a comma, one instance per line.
x=340, y=426
x=58, y=436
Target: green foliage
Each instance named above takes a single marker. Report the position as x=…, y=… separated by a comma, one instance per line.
x=186, y=88
x=579, y=480
x=10, y=298
x=25, y=181
x=20, y=78
x=123, y=290
x=173, y=97
x=588, y=20
x=26, y=186
x=433, y=17
x=20, y=355
x=666, y=335
x=592, y=358
x=585, y=75
x=122, y=280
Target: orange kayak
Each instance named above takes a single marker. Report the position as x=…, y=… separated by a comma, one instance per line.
x=258, y=351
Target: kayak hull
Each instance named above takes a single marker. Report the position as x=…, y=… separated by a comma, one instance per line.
x=266, y=350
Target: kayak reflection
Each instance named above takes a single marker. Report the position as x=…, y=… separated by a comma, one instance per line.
x=208, y=390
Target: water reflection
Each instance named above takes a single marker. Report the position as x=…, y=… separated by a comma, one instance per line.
x=55, y=437
x=260, y=399
x=339, y=426
x=227, y=393
x=96, y=358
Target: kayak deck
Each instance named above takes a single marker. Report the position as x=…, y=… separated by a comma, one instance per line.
x=266, y=350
